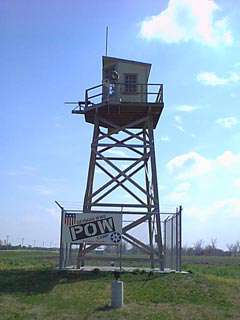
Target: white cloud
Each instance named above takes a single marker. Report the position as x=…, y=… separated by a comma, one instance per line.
x=165, y=138
x=208, y=188
x=237, y=64
x=180, y=128
x=186, y=108
x=230, y=206
x=178, y=119
x=228, y=159
x=161, y=187
x=192, y=164
x=43, y=190
x=178, y=123
x=211, y=79
x=180, y=194
x=236, y=183
x=227, y=122
x=54, y=212
x=188, y=20
x=233, y=95
x=184, y=186
x=176, y=197
x=201, y=214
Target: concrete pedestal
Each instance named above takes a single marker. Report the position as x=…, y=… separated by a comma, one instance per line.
x=117, y=294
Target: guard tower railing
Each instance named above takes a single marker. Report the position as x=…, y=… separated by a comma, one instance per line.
x=103, y=93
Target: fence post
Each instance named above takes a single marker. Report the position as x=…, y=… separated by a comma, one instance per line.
x=61, y=253
x=171, y=243
x=180, y=238
x=61, y=241
x=176, y=240
x=165, y=242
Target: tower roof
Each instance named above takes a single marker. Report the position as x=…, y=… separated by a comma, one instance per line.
x=114, y=59
x=109, y=60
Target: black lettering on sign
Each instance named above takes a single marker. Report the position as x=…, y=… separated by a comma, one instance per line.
x=92, y=229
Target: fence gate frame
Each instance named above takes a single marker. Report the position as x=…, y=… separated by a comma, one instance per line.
x=172, y=252
x=173, y=240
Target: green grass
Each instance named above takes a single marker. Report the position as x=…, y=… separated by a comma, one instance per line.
x=27, y=260
x=30, y=288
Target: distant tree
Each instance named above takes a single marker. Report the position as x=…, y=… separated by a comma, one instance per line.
x=213, y=244
x=187, y=251
x=198, y=247
x=211, y=248
x=230, y=247
x=234, y=248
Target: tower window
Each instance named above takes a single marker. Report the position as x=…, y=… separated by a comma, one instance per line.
x=130, y=83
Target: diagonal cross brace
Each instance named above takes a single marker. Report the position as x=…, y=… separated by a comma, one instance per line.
x=121, y=128
x=123, y=173
x=119, y=183
x=118, y=176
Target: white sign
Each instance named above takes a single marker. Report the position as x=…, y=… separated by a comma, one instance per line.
x=104, y=228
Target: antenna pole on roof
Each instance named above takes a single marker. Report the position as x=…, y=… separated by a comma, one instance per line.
x=106, y=52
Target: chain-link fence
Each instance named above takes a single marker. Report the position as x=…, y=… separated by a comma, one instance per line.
x=123, y=255
x=173, y=240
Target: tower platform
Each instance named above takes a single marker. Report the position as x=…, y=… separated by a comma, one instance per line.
x=122, y=113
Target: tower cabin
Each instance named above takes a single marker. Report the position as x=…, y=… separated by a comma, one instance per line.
x=124, y=96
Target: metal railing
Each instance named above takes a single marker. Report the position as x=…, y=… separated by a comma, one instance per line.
x=141, y=89
x=114, y=92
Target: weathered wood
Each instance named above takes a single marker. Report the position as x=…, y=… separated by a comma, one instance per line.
x=146, y=206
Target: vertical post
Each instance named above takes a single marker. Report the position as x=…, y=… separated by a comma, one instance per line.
x=70, y=253
x=91, y=169
x=171, y=243
x=80, y=261
x=155, y=191
x=106, y=47
x=150, y=227
x=61, y=249
x=177, y=239
x=120, y=255
x=86, y=99
x=165, y=241
x=65, y=255
x=61, y=241
x=180, y=238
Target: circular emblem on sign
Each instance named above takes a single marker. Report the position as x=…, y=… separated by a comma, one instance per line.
x=116, y=237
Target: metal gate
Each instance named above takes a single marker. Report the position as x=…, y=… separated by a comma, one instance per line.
x=173, y=240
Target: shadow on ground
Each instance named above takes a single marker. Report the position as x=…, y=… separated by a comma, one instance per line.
x=39, y=281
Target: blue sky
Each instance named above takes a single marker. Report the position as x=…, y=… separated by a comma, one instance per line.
x=51, y=51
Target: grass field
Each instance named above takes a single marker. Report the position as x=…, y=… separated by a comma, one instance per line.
x=30, y=288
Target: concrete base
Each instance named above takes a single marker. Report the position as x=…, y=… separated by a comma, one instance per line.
x=117, y=294
x=123, y=269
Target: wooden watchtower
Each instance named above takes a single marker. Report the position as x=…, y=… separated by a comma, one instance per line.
x=124, y=109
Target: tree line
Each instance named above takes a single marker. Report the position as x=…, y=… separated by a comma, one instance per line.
x=199, y=248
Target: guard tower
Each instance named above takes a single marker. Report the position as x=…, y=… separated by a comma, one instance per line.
x=124, y=110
